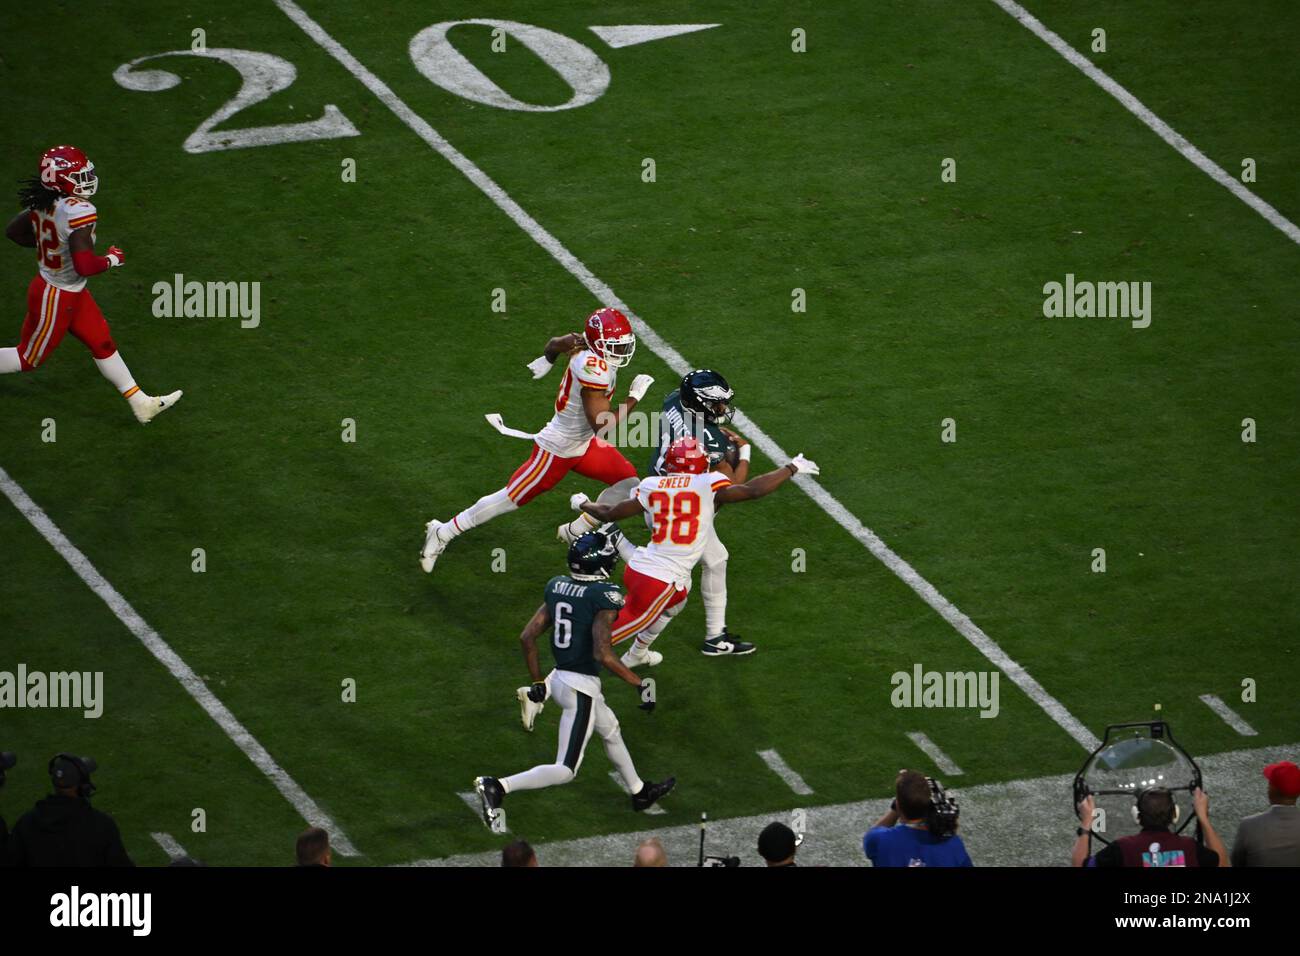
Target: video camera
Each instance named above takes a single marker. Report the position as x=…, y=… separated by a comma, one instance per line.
x=941, y=816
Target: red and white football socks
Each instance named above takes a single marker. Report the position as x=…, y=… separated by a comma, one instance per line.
x=115, y=370
x=481, y=511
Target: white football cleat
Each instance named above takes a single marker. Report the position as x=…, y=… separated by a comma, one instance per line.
x=433, y=546
x=154, y=405
x=646, y=657
x=528, y=711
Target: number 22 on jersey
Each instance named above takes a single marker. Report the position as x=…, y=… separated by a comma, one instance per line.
x=676, y=516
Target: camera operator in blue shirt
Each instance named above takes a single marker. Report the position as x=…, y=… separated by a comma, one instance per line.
x=920, y=828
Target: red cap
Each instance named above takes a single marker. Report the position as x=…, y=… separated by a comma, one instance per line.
x=1285, y=778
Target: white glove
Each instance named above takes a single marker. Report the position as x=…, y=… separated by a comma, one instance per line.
x=540, y=366
x=640, y=385
x=577, y=501
x=804, y=466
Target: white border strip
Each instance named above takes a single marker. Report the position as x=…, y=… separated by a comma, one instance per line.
x=783, y=770
x=169, y=846
x=931, y=750
x=1230, y=716
x=1152, y=121
x=605, y=295
x=161, y=650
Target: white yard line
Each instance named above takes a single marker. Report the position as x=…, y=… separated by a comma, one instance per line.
x=1230, y=716
x=787, y=773
x=931, y=750
x=1152, y=121
x=161, y=650
x=674, y=360
x=617, y=777
x=169, y=846
x=1018, y=823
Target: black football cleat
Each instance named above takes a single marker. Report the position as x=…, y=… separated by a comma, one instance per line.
x=490, y=795
x=645, y=798
x=725, y=644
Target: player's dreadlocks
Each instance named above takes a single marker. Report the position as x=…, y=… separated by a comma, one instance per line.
x=34, y=194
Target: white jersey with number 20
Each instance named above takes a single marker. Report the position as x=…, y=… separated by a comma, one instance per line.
x=680, y=511
x=568, y=432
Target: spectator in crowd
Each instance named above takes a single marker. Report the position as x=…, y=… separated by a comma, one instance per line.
x=1156, y=844
x=904, y=836
x=776, y=845
x=1272, y=838
x=650, y=853
x=314, y=848
x=63, y=829
x=519, y=853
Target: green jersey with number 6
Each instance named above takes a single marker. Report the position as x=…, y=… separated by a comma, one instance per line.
x=574, y=605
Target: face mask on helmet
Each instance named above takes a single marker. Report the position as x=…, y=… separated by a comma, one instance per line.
x=84, y=181
x=618, y=352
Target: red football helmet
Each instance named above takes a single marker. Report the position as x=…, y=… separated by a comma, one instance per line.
x=67, y=169
x=686, y=456
x=609, y=334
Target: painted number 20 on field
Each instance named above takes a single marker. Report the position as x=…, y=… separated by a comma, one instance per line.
x=263, y=75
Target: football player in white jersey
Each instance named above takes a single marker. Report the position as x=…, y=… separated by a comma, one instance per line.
x=571, y=439
x=58, y=221
x=681, y=504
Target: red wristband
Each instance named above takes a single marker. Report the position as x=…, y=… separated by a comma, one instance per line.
x=88, y=264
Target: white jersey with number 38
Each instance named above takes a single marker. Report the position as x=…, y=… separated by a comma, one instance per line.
x=680, y=512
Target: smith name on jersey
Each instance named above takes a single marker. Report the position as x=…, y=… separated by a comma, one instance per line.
x=675, y=422
x=574, y=605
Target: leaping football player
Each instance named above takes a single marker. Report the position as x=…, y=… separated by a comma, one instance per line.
x=571, y=440
x=700, y=408
x=58, y=221
x=579, y=611
x=681, y=504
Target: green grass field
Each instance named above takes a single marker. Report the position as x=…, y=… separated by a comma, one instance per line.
x=775, y=171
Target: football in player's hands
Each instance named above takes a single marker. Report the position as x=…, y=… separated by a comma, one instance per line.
x=116, y=256
x=577, y=501
x=804, y=466
x=640, y=385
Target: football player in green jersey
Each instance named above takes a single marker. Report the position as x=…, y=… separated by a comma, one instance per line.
x=700, y=408
x=579, y=610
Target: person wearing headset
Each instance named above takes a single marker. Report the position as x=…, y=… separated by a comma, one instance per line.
x=1157, y=844
x=63, y=829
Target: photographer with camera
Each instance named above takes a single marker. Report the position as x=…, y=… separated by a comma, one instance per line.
x=64, y=829
x=920, y=828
